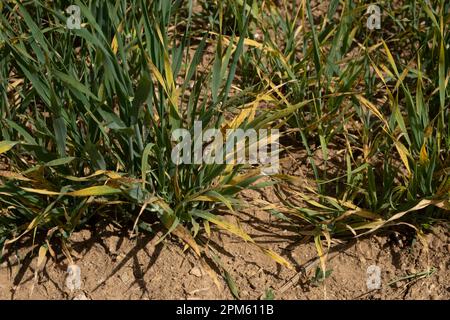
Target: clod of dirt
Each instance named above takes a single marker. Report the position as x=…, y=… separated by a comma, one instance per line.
x=196, y=271
x=73, y=280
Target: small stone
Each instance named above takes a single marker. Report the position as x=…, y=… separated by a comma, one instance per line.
x=448, y=248
x=202, y=290
x=415, y=292
x=412, y=270
x=112, y=244
x=196, y=271
x=73, y=279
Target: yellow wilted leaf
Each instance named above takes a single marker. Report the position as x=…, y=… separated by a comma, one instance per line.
x=41, y=256
x=169, y=73
x=227, y=170
x=113, y=175
x=232, y=228
x=403, y=152
x=423, y=155
x=215, y=197
x=273, y=255
x=390, y=58
x=371, y=107
x=6, y=146
x=95, y=174
x=171, y=91
x=50, y=250
x=316, y=204
x=94, y=191
x=224, y=225
x=367, y=214
x=204, y=198
x=246, y=113
x=114, y=45
x=207, y=228
x=185, y=236
x=247, y=42
x=41, y=191
x=241, y=177
x=157, y=74
x=168, y=220
x=361, y=213
x=443, y=204
x=212, y=274
x=322, y=255
x=368, y=225
x=401, y=78
x=164, y=206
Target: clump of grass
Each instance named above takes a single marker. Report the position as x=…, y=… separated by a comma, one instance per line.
x=375, y=130
x=88, y=115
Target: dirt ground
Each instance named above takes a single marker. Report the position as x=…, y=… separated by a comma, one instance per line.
x=113, y=266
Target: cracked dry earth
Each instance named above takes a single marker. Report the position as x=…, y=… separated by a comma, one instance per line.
x=113, y=266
